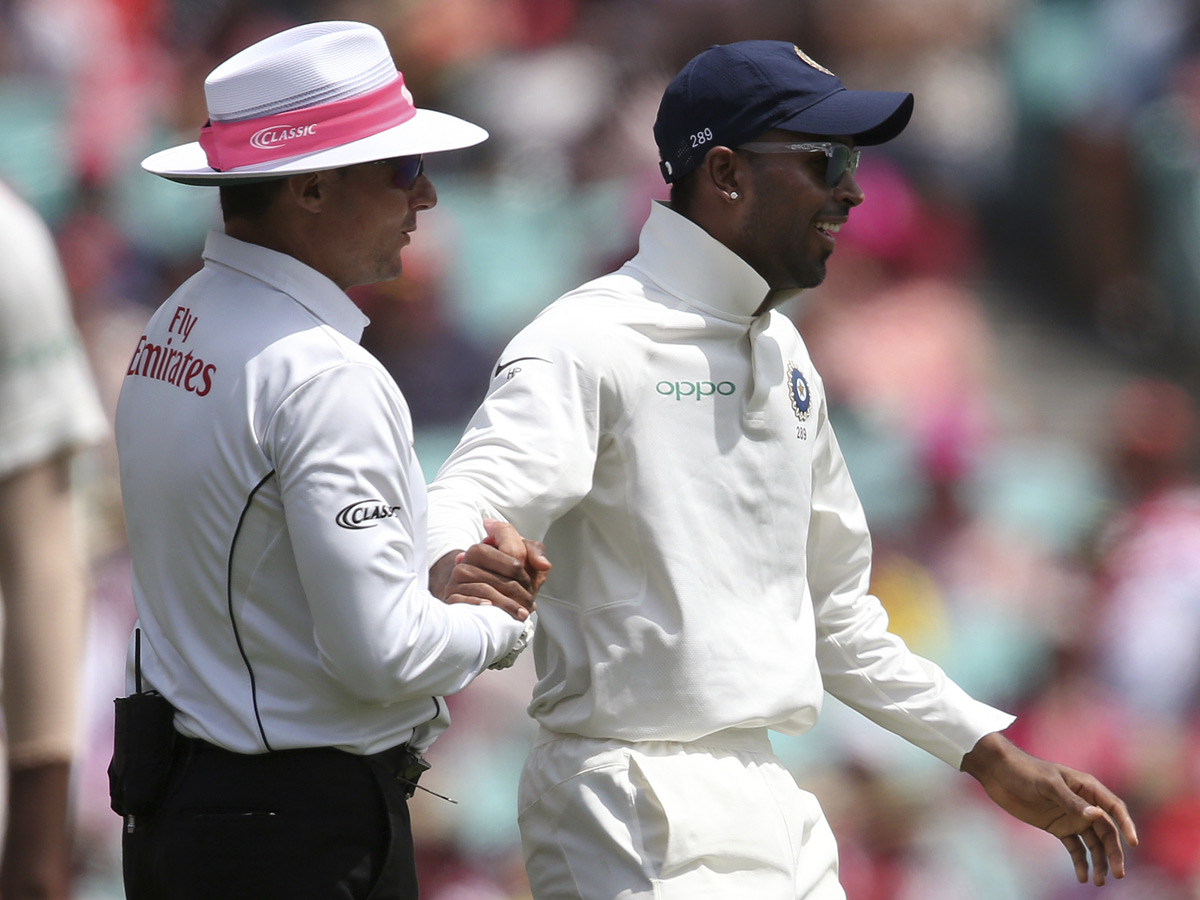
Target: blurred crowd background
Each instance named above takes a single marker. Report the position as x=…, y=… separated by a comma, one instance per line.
x=1009, y=335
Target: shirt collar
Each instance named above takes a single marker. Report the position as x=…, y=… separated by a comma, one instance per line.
x=301, y=282
x=687, y=261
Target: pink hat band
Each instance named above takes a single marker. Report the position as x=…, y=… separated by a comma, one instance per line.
x=230, y=145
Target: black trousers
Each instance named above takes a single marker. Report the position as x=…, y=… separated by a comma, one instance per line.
x=314, y=824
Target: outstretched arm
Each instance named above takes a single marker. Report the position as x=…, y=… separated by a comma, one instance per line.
x=1073, y=806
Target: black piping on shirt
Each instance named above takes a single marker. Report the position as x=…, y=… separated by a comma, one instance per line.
x=233, y=621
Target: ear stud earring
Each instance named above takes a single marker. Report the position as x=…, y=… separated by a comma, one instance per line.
x=733, y=195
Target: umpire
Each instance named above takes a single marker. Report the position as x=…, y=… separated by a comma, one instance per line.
x=289, y=662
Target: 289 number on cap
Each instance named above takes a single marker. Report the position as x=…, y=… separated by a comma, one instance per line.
x=702, y=137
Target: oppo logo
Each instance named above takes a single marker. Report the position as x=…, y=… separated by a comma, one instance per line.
x=365, y=514
x=695, y=389
x=268, y=138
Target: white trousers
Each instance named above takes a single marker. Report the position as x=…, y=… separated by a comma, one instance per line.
x=718, y=819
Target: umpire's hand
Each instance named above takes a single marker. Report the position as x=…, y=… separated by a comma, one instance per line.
x=503, y=570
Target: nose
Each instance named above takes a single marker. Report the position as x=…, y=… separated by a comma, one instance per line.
x=848, y=191
x=423, y=194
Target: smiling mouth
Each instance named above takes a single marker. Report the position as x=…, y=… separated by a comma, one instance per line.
x=829, y=229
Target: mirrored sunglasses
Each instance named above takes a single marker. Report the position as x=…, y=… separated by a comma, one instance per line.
x=840, y=158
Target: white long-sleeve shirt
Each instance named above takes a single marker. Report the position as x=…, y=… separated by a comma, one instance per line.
x=276, y=519
x=48, y=398
x=49, y=407
x=711, y=558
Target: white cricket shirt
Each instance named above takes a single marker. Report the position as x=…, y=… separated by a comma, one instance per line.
x=276, y=519
x=48, y=399
x=711, y=558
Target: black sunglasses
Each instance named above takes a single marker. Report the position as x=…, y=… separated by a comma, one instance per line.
x=405, y=170
x=840, y=158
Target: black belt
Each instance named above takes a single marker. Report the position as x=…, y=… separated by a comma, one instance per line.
x=402, y=762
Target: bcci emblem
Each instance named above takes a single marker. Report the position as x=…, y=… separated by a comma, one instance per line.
x=812, y=62
x=801, y=398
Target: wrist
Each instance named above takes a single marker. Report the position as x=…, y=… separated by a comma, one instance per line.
x=518, y=648
x=989, y=751
x=439, y=574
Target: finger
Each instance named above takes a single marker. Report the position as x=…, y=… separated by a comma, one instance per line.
x=537, y=564
x=1125, y=822
x=1096, y=848
x=1078, y=856
x=515, y=584
x=492, y=559
x=1075, y=791
x=535, y=556
x=1115, y=807
x=481, y=587
x=484, y=595
x=463, y=598
x=504, y=538
x=467, y=579
x=1112, y=809
x=1105, y=833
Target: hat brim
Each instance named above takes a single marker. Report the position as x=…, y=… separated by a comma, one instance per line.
x=870, y=117
x=426, y=132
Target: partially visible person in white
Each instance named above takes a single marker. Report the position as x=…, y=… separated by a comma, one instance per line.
x=1149, y=552
x=275, y=507
x=49, y=410
x=664, y=429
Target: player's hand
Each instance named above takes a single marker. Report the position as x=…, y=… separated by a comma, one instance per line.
x=505, y=538
x=1073, y=806
x=503, y=570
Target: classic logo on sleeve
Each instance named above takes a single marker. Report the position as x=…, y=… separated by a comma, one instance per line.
x=365, y=514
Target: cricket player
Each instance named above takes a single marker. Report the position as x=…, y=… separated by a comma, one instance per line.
x=49, y=411
x=664, y=430
x=289, y=662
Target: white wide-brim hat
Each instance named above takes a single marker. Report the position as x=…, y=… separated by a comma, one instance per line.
x=314, y=97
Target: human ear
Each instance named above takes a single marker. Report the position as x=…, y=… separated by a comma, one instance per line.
x=308, y=190
x=724, y=172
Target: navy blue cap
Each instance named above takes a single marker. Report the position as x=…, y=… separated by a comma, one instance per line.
x=732, y=93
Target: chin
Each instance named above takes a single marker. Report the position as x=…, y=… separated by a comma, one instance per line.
x=393, y=269
x=810, y=278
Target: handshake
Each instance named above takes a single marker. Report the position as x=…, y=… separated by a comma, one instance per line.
x=503, y=570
